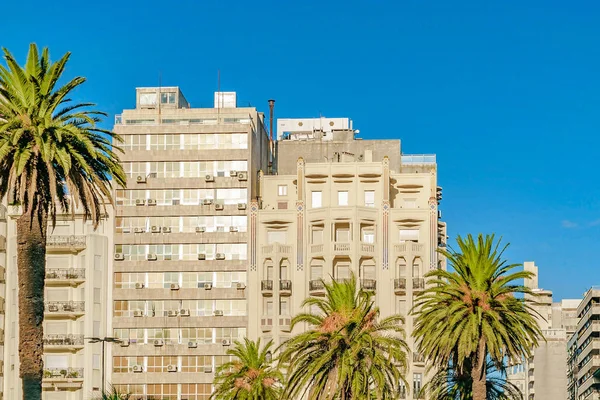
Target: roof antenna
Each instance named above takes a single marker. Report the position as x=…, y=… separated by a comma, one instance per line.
x=159, y=94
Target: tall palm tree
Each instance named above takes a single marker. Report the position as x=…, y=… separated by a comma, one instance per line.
x=53, y=158
x=250, y=375
x=451, y=383
x=471, y=313
x=347, y=353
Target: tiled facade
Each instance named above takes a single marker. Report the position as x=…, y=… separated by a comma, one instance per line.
x=181, y=240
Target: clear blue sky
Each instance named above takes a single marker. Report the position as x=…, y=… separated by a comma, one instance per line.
x=507, y=93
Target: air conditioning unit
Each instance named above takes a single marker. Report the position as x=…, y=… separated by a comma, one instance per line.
x=184, y=312
x=140, y=202
x=242, y=176
x=151, y=202
x=166, y=229
x=174, y=286
x=138, y=313
x=155, y=229
x=241, y=206
x=141, y=179
x=139, y=285
x=233, y=173
x=171, y=368
x=218, y=206
x=172, y=313
x=209, y=178
x=200, y=229
x=201, y=256
x=220, y=256
x=137, y=368
x=152, y=257
x=119, y=257
x=207, y=202
x=218, y=313
x=138, y=230
x=240, y=286
x=192, y=345
x=226, y=342
x=159, y=342
x=208, y=286
x=233, y=229
x=124, y=343
x=208, y=370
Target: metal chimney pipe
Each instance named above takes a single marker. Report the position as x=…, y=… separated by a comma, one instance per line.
x=271, y=111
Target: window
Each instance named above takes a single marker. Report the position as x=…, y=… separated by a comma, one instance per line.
x=369, y=198
x=282, y=190
x=368, y=236
x=268, y=307
x=343, y=198
x=276, y=237
x=167, y=98
x=284, y=306
x=417, y=382
x=410, y=203
x=409, y=235
x=317, y=235
x=316, y=199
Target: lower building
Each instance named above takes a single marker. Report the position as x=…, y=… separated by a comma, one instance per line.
x=584, y=350
x=544, y=375
x=75, y=309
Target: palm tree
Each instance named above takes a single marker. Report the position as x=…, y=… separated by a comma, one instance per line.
x=53, y=158
x=347, y=353
x=113, y=394
x=250, y=375
x=472, y=313
x=451, y=383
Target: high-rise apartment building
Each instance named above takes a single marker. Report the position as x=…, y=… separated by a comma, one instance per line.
x=76, y=302
x=339, y=205
x=181, y=240
x=544, y=375
x=584, y=350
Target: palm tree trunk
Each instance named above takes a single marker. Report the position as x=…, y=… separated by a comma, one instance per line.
x=478, y=373
x=31, y=255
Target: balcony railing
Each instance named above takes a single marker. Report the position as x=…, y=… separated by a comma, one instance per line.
x=418, y=283
x=266, y=287
x=285, y=287
x=316, y=286
x=368, y=284
x=316, y=248
x=416, y=159
x=342, y=248
x=69, y=242
x=418, y=358
x=367, y=248
x=64, y=306
x=66, y=273
x=63, y=373
x=63, y=340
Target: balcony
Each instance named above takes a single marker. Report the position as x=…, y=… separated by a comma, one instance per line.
x=266, y=323
x=62, y=343
x=65, y=243
x=285, y=323
x=65, y=277
x=418, y=358
x=412, y=247
x=367, y=249
x=316, y=249
x=285, y=287
x=62, y=378
x=368, y=285
x=276, y=248
x=316, y=287
x=342, y=248
x=418, y=284
x=64, y=309
x=266, y=287
x=400, y=286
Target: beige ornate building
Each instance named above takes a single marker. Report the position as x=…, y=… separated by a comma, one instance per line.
x=76, y=301
x=339, y=205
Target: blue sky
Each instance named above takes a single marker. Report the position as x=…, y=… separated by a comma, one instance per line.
x=506, y=93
